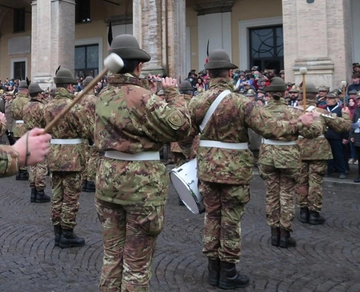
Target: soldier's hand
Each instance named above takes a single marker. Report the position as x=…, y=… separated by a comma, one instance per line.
x=169, y=82
x=307, y=119
x=2, y=118
x=153, y=79
x=34, y=142
x=345, y=110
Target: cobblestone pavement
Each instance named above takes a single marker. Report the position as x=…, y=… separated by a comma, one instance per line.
x=327, y=258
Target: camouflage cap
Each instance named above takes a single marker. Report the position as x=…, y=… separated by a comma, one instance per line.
x=352, y=91
x=323, y=88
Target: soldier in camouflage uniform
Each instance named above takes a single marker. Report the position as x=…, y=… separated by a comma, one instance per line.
x=314, y=156
x=279, y=165
x=132, y=124
x=19, y=127
x=66, y=159
x=30, y=149
x=34, y=117
x=2, y=124
x=225, y=165
x=91, y=153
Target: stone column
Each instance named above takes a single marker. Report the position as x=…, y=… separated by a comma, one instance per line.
x=317, y=36
x=159, y=26
x=52, y=42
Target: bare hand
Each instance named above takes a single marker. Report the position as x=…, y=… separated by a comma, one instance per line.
x=345, y=110
x=153, y=79
x=38, y=146
x=352, y=139
x=307, y=119
x=169, y=82
x=344, y=141
x=2, y=118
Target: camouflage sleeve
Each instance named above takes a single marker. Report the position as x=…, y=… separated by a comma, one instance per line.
x=167, y=119
x=2, y=127
x=339, y=124
x=8, y=161
x=262, y=122
x=315, y=130
x=83, y=122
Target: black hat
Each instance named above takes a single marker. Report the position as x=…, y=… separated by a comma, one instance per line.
x=219, y=59
x=127, y=47
x=34, y=88
x=277, y=85
x=64, y=76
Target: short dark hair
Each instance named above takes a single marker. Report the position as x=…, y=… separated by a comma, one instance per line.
x=129, y=66
x=213, y=73
x=355, y=75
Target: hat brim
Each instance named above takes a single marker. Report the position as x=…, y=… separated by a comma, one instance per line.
x=275, y=88
x=220, y=65
x=132, y=54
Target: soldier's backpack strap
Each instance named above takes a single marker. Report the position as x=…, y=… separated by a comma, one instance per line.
x=212, y=108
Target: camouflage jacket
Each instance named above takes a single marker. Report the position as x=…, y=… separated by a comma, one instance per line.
x=229, y=123
x=34, y=114
x=130, y=119
x=286, y=156
x=88, y=102
x=17, y=108
x=8, y=161
x=2, y=128
x=319, y=148
x=75, y=124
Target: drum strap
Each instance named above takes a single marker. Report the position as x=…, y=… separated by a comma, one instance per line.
x=212, y=108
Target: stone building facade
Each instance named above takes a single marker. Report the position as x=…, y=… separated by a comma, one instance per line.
x=36, y=36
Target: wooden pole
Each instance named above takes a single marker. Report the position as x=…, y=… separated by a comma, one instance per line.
x=303, y=72
x=76, y=100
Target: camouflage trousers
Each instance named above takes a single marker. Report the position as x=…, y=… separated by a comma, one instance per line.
x=37, y=176
x=309, y=189
x=280, y=194
x=91, y=159
x=66, y=189
x=129, y=239
x=224, y=208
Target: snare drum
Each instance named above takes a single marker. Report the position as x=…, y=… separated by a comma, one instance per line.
x=185, y=182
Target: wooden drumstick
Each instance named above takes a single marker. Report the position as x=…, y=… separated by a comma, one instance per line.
x=343, y=87
x=112, y=63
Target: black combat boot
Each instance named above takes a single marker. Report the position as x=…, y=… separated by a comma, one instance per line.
x=315, y=218
x=41, y=197
x=57, y=231
x=70, y=239
x=33, y=195
x=214, y=271
x=304, y=215
x=230, y=278
x=285, y=239
x=275, y=236
x=83, y=186
x=23, y=175
x=90, y=187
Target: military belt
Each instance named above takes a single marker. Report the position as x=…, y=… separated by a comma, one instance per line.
x=278, y=142
x=67, y=141
x=19, y=121
x=113, y=154
x=225, y=145
x=321, y=136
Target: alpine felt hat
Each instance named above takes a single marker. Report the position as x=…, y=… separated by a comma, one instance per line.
x=219, y=59
x=34, y=88
x=64, y=76
x=87, y=80
x=23, y=84
x=310, y=88
x=127, y=47
x=277, y=85
x=185, y=86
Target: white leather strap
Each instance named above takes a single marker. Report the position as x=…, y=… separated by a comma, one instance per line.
x=218, y=144
x=67, y=141
x=212, y=108
x=113, y=154
x=278, y=142
x=19, y=122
